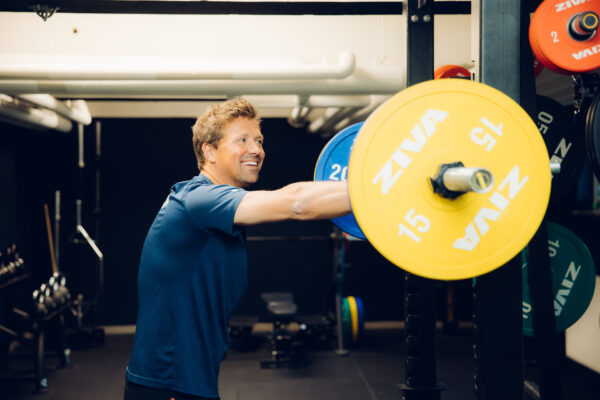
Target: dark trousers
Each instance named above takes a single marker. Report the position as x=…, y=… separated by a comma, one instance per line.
x=133, y=391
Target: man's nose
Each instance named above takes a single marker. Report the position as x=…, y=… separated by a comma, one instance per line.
x=255, y=148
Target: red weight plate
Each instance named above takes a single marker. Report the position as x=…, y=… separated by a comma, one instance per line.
x=558, y=36
x=534, y=26
x=451, y=71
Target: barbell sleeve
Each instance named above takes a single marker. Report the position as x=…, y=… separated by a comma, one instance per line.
x=463, y=179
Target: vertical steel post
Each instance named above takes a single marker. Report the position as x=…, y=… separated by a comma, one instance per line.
x=419, y=293
x=498, y=320
x=97, y=189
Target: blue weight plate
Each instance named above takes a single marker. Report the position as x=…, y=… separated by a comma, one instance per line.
x=332, y=165
x=361, y=316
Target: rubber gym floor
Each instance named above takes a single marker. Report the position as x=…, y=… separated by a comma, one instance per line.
x=370, y=371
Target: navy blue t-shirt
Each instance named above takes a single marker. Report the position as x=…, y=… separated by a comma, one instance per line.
x=192, y=275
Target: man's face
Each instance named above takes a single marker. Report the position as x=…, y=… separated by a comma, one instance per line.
x=240, y=152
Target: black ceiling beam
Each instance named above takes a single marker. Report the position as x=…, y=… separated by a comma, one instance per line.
x=452, y=7
x=230, y=7
x=208, y=7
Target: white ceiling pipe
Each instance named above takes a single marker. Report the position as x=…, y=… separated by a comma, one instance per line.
x=359, y=115
x=327, y=128
x=318, y=123
x=337, y=101
x=144, y=68
x=299, y=114
x=362, y=114
x=78, y=111
x=13, y=111
x=382, y=80
x=332, y=115
x=22, y=124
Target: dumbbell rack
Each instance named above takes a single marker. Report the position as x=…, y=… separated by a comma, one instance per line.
x=37, y=326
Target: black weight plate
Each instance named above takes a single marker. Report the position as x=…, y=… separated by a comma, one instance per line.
x=581, y=125
x=592, y=134
x=564, y=143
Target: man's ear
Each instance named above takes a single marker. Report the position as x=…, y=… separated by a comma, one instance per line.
x=209, y=152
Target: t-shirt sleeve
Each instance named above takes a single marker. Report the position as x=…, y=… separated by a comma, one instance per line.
x=212, y=207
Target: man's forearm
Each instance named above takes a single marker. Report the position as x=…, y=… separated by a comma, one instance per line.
x=320, y=200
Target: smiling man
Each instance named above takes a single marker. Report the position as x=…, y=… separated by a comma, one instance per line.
x=193, y=266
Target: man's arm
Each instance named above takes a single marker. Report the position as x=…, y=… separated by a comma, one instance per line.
x=298, y=201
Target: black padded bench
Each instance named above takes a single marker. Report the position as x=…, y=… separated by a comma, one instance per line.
x=284, y=351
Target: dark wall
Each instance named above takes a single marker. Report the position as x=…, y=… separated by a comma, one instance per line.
x=8, y=233
x=32, y=165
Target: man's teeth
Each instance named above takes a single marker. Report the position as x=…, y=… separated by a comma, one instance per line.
x=253, y=163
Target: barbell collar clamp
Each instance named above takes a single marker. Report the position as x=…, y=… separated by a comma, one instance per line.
x=582, y=26
x=555, y=168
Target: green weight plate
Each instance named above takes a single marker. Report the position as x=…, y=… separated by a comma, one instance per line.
x=573, y=279
x=346, y=322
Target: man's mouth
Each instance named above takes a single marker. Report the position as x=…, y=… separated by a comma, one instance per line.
x=250, y=163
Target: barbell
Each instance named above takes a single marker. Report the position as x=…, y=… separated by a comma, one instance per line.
x=448, y=179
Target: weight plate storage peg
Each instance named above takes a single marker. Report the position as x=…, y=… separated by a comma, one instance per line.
x=564, y=35
x=573, y=279
x=404, y=144
x=565, y=145
x=332, y=165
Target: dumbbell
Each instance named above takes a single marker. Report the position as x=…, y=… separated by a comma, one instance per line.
x=60, y=286
x=4, y=276
x=8, y=264
x=19, y=262
x=56, y=295
x=39, y=303
x=49, y=298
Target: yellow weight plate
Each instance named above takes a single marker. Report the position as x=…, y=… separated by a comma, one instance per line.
x=402, y=145
x=354, y=316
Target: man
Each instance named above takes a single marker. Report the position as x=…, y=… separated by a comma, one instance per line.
x=193, y=265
